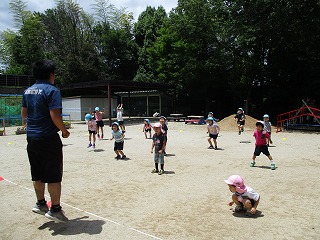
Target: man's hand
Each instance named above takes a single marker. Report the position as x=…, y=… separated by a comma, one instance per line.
x=65, y=134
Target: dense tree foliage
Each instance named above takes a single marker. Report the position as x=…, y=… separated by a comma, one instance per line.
x=219, y=54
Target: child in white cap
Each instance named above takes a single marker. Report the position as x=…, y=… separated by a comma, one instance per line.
x=213, y=130
x=147, y=127
x=243, y=196
x=240, y=117
x=118, y=136
x=267, y=127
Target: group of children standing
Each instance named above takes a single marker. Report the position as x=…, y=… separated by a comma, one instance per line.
x=95, y=124
x=159, y=139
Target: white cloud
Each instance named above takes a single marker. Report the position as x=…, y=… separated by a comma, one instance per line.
x=135, y=6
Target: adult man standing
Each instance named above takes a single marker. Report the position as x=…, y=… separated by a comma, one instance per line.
x=41, y=107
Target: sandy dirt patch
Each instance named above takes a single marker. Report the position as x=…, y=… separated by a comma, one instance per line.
x=106, y=198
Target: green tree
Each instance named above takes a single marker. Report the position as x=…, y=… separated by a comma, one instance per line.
x=69, y=32
x=18, y=9
x=146, y=31
x=24, y=46
x=117, y=52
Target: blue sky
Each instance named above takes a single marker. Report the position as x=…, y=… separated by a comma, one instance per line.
x=135, y=6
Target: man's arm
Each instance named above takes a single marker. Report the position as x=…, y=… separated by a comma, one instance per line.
x=24, y=113
x=55, y=115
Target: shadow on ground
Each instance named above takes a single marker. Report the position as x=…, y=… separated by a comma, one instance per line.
x=245, y=215
x=264, y=167
x=74, y=227
x=170, y=155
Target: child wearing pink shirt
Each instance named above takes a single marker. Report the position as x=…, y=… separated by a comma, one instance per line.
x=99, y=121
x=261, y=144
x=92, y=129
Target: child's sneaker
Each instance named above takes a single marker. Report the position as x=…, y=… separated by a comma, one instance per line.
x=252, y=164
x=124, y=157
x=211, y=147
x=239, y=132
x=93, y=146
x=161, y=172
x=101, y=136
x=98, y=135
x=117, y=157
x=215, y=148
x=238, y=208
x=57, y=216
x=273, y=166
x=90, y=145
x=40, y=209
x=155, y=171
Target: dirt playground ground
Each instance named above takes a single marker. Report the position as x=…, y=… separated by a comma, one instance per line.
x=105, y=198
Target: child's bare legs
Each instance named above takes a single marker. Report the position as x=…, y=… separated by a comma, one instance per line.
x=94, y=139
x=117, y=152
x=273, y=164
x=90, y=140
x=239, y=128
x=101, y=132
x=121, y=153
x=253, y=162
x=145, y=134
x=149, y=134
x=235, y=199
x=210, y=143
x=215, y=143
x=247, y=204
x=254, y=158
x=238, y=207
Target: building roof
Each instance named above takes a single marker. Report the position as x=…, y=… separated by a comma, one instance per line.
x=115, y=86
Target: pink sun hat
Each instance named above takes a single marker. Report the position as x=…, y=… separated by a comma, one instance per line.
x=238, y=182
x=157, y=125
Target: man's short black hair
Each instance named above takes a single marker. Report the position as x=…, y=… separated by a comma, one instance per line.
x=43, y=68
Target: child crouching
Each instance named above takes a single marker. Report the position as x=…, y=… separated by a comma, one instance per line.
x=243, y=196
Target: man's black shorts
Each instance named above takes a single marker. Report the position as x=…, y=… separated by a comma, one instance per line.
x=261, y=149
x=118, y=146
x=46, y=159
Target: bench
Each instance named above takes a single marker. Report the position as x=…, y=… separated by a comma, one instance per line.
x=176, y=119
x=195, y=121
